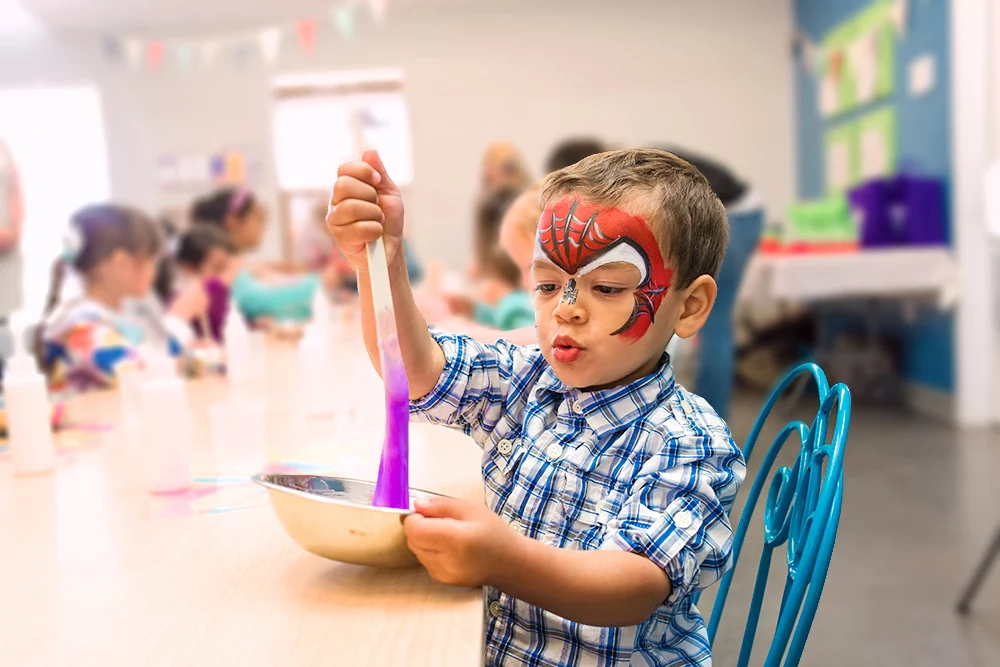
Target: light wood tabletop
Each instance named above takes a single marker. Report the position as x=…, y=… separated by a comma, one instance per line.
x=96, y=571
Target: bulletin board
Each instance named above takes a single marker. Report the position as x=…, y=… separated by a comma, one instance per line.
x=861, y=149
x=857, y=61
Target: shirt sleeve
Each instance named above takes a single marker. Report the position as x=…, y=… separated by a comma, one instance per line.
x=89, y=353
x=675, y=514
x=258, y=299
x=474, y=391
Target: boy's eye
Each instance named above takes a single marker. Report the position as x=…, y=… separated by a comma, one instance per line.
x=546, y=288
x=608, y=290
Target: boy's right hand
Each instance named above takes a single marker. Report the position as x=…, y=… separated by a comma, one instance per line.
x=365, y=205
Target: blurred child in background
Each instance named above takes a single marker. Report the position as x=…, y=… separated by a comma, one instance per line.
x=204, y=254
x=115, y=250
x=263, y=295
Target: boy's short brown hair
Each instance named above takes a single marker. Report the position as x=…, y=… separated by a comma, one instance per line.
x=687, y=219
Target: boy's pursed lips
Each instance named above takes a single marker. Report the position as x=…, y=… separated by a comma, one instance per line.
x=566, y=342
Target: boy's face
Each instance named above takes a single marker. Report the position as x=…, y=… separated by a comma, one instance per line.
x=603, y=302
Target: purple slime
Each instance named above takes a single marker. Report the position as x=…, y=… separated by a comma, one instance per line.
x=393, y=486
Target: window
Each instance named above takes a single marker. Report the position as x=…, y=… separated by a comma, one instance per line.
x=57, y=138
x=322, y=121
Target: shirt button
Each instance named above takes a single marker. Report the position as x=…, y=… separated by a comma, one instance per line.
x=578, y=408
x=553, y=451
x=515, y=525
x=505, y=447
x=683, y=520
x=602, y=505
x=495, y=609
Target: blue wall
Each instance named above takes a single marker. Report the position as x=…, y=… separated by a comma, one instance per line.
x=924, y=125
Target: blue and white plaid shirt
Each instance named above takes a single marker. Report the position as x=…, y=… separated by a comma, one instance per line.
x=646, y=468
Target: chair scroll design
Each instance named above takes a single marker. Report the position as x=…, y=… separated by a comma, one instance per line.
x=801, y=512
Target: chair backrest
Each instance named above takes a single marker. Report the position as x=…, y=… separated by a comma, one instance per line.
x=801, y=513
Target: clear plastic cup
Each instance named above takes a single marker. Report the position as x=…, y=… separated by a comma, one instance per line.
x=238, y=432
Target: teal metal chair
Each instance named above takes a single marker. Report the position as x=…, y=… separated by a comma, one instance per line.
x=801, y=514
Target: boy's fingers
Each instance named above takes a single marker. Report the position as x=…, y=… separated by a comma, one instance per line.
x=352, y=211
x=443, y=508
x=428, y=534
x=359, y=233
x=362, y=171
x=385, y=184
x=348, y=187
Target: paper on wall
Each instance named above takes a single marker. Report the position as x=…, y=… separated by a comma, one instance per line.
x=838, y=166
x=874, y=154
x=863, y=57
x=829, y=100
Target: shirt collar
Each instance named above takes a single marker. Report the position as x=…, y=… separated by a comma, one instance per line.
x=608, y=410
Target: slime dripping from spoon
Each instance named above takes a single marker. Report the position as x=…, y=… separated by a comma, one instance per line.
x=393, y=486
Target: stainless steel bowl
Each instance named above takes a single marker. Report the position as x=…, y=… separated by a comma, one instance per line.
x=333, y=517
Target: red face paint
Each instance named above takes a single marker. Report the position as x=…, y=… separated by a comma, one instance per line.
x=579, y=238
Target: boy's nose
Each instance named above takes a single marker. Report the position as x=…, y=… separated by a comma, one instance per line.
x=571, y=310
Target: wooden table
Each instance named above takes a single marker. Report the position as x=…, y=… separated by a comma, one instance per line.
x=95, y=571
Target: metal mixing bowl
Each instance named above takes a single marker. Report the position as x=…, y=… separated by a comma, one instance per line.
x=333, y=517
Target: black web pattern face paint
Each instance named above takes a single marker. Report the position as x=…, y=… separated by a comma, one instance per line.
x=569, y=292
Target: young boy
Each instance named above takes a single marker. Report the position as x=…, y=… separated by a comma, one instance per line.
x=608, y=486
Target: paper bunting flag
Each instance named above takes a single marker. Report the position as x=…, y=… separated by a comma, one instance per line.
x=154, y=54
x=209, y=51
x=182, y=54
x=112, y=49
x=307, y=35
x=378, y=9
x=269, y=41
x=134, y=51
x=343, y=19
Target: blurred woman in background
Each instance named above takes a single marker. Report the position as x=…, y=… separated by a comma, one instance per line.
x=11, y=219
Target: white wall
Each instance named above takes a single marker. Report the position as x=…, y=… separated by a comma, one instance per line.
x=714, y=77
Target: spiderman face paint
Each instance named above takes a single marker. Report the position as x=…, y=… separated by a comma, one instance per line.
x=580, y=238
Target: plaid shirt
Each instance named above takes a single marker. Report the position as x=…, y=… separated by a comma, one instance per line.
x=646, y=468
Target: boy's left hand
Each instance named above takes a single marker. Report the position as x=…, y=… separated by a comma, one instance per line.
x=459, y=542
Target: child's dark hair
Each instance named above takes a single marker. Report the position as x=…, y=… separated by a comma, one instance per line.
x=213, y=209
x=95, y=233
x=198, y=242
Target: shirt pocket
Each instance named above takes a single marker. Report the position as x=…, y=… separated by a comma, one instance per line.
x=589, y=524
x=502, y=455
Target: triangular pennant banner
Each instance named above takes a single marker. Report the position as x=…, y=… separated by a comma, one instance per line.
x=307, y=34
x=269, y=41
x=112, y=48
x=343, y=19
x=378, y=9
x=208, y=51
x=182, y=54
x=154, y=54
x=134, y=51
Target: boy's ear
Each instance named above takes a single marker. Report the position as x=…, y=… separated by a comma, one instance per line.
x=699, y=297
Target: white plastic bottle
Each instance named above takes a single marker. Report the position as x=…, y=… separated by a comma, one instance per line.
x=28, y=413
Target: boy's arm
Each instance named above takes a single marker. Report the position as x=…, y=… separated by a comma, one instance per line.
x=366, y=205
x=670, y=536
x=467, y=544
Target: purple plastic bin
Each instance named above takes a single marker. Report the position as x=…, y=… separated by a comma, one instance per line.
x=920, y=203
x=902, y=210
x=870, y=203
